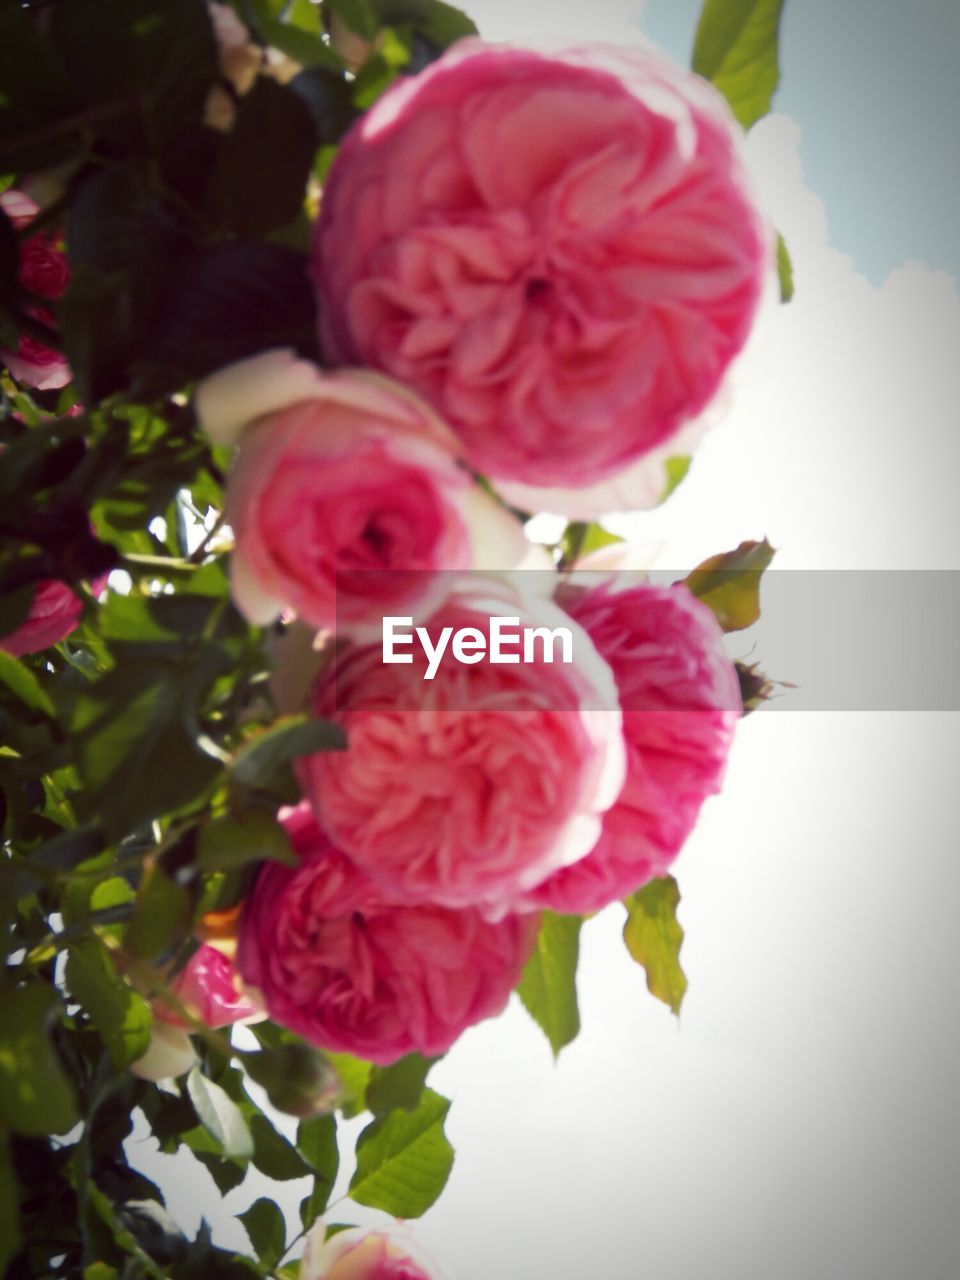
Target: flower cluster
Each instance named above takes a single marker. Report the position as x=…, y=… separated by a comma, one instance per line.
x=43, y=276
x=536, y=268
x=534, y=271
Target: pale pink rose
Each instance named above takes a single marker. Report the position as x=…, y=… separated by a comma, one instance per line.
x=346, y=494
x=467, y=788
x=351, y=970
x=559, y=250
x=207, y=985
x=388, y=1253
x=42, y=270
x=170, y=1053
x=54, y=614
x=681, y=700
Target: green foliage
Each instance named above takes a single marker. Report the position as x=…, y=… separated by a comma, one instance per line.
x=404, y=1159
x=399, y=1085
x=264, y=1224
x=730, y=583
x=676, y=472
x=737, y=47
x=548, y=987
x=36, y=1094
x=221, y=1117
x=121, y=1016
x=654, y=937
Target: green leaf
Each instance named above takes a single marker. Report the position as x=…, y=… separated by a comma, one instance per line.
x=264, y=1224
x=729, y=584
x=10, y=1235
x=121, y=1016
x=226, y=1174
x=654, y=937
x=354, y=1076
x=399, y=1085
x=162, y=911
x=596, y=537
x=404, y=1159
x=258, y=186
x=273, y=1154
x=220, y=1116
x=358, y=15
x=291, y=736
x=676, y=472
x=317, y=1143
x=21, y=681
x=784, y=270
x=736, y=46
x=228, y=843
x=548, y=987
x=36, y=1094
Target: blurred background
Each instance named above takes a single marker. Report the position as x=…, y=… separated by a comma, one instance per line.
x=801, y=1118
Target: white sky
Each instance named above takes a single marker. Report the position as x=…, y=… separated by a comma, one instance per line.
x=802, y=1118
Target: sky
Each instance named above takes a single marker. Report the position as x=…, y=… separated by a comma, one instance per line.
x=801, y=1117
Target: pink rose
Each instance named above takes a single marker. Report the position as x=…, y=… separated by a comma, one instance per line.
x=54, y=613
x=468, y=787
x=560, y=251
x=207, y=985
x=681, y=700
x=345, y=495
x=43, y=271
x=389, y=1253
x=350, y=969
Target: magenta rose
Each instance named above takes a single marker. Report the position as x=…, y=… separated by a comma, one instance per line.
x=469, y=786
x=54, y=613
x=389, y=1253
x=559, y=250
x=351, y=970
x=207, y=985
x=43, y=271
x=345, y=495
x=681, y=700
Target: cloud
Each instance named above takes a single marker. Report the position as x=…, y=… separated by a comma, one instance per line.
x=841, y=443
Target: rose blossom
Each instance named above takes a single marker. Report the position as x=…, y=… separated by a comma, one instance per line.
x=349, y=969
x=681, y=700
x=42, y=270
x=346, y=494
x=388, y=1253
x=54, y=613
x=207, y=986
x=560, y=251
x=475, y=785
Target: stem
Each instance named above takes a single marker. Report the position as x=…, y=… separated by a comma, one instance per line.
x=208, y=537
x=76, y=123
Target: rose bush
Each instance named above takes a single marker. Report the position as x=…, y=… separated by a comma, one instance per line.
x=560, y=251
x=42, y=271
x=526, y=291
x=680, y=697
x=349, y=968
x=346, y=494
x=477, y=784
x=386, y=1254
